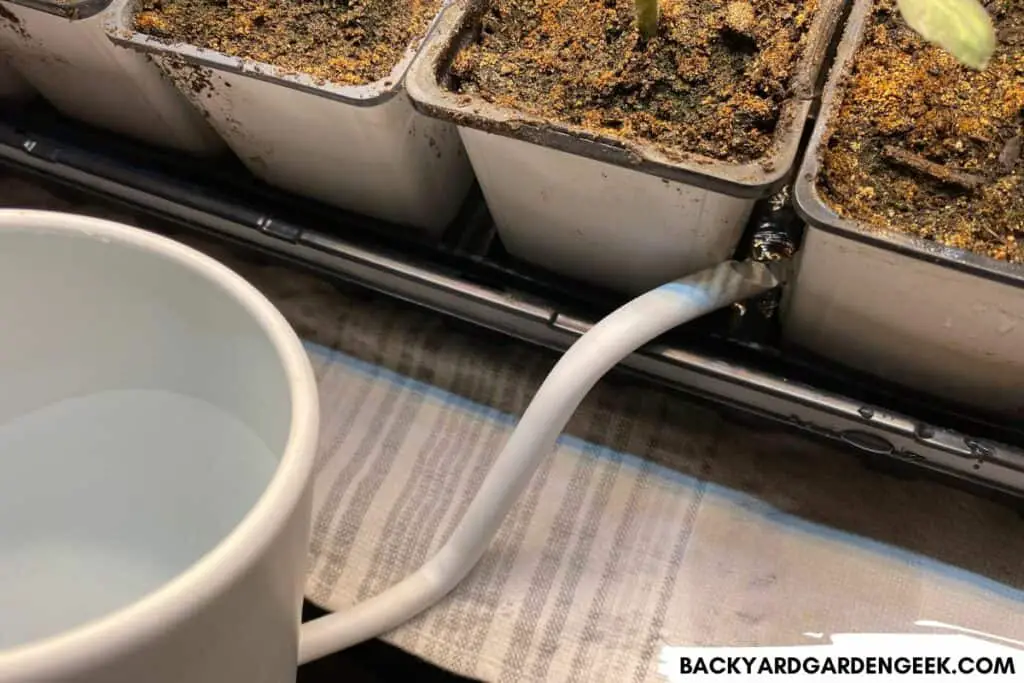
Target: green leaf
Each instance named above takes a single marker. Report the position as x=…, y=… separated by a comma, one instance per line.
x=961, y=27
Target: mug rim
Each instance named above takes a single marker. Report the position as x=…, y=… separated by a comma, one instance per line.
x=174, y=601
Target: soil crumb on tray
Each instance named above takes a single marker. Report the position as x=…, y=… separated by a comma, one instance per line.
x=347, y=43
x=711, y=82
x=925, y=146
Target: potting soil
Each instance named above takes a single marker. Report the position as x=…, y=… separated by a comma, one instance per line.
x=929, y=147
x=710, y=83
x=346, y=43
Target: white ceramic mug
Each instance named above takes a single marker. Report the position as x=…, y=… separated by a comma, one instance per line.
x=158, y=425
x=126, y=570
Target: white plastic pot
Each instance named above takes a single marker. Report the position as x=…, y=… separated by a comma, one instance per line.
x=599, y=209
x=61, y=50
x=935, y=319
x=601, y=223
x=361, y=148
x=907, y=317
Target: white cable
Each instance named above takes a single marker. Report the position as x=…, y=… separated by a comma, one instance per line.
x=590, y=358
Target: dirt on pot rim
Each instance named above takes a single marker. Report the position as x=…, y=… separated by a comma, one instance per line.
x=927, y=147
x=344, y=42
x=711, y=83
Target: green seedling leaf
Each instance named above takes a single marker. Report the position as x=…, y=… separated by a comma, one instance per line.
x=647, y=18
x=961, y=27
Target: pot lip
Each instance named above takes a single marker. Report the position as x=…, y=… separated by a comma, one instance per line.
x=73, y=10
x=117, y=25
x=749, y=180
x=812, y=208
x=117, y=633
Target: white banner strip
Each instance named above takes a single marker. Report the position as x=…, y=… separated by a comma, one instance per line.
x=851, y=658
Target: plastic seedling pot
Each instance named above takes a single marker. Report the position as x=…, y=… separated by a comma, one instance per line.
x=941, y=320
x=569, y=201
x=361, y=148
x=60, y=48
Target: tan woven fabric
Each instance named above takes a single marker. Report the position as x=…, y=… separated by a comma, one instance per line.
x=654, y=523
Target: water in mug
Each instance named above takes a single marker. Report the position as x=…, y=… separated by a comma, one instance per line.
x=106, y=497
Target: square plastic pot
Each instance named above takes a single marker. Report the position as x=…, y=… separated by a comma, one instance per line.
x=60, y=48
x=940, y=320
x=617, y=214
x=361, y=148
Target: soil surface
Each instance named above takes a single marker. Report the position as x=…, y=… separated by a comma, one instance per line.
x=928, y=147
x=710, y=83
x=347, y=43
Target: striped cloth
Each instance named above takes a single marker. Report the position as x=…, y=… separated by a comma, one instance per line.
x=655, y=522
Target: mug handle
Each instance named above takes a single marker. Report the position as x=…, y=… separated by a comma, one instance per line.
x=587, y=360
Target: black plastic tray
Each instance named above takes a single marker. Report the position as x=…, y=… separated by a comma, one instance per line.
x=731, y=358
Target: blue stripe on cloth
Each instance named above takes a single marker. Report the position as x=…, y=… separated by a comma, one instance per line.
x=746, y=501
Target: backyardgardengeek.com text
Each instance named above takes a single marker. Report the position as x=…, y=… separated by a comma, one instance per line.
x=848, y=665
